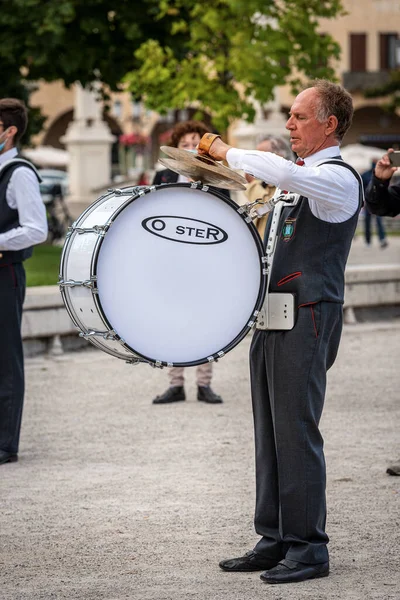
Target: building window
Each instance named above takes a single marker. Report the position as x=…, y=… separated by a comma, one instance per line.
x=117, y=109
x=183, y=115
x=388, y=51
x=136, y=108
x=322, y=61
x=358, y=52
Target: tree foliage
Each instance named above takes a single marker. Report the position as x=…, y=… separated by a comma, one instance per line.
x=389, y=90
x=78, y=40
x=231, y=52
x=215, y=55
x=74, y=40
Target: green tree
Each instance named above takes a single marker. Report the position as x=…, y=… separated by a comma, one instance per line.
x=389, y=90
x=78, y=40
x=233, y=51
x=74, y=40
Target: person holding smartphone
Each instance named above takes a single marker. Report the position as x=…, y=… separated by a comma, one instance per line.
x=382, y=196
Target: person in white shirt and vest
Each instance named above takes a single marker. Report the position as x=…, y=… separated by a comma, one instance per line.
x=186, y=135
x=288, y=367
x=23, y=223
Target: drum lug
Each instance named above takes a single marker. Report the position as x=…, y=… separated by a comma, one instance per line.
x=264, y=260
x=99, y=229
x=133, y=361
x=88, y=283
x=244, y=210
x=106, y=335
x=156, y=365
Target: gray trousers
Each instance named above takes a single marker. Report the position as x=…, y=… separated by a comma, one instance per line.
x=288, y=381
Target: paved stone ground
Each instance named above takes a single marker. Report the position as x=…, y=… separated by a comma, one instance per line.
x=116, y=499
x=360, y=253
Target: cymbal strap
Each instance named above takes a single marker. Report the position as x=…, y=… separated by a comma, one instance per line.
x=207, y=140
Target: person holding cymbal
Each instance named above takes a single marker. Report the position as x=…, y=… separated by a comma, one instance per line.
x=288, y=367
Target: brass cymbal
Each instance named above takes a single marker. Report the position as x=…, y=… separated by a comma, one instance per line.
x=202, y=168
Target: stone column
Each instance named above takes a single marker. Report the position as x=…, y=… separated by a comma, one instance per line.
x=88, y=140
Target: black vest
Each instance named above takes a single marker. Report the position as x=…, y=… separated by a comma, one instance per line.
x=8, y=216
x=311, y=254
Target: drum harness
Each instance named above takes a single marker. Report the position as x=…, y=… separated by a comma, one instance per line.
x=278, y=309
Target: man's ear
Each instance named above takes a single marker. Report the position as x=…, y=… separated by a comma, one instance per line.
x=12, y=130
x=331, y=125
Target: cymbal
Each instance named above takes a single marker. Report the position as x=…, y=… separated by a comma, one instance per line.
x=202, y=168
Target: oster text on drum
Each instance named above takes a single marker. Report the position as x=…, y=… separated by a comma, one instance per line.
x=184, y=229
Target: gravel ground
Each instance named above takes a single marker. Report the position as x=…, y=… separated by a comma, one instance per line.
x=114, y=498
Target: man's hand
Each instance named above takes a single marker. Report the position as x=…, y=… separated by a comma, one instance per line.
x=249, y=178
x=383, y=168
x=217, y=150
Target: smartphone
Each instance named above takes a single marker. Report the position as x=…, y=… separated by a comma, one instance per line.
x=394, y=158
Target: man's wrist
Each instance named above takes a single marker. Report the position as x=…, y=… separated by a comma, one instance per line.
x=207, y=141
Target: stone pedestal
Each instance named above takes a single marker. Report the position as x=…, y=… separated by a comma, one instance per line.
x=88, y=141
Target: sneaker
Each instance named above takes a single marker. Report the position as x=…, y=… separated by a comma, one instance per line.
x=384, y=244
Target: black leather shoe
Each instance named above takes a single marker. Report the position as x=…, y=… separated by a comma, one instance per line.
x=393, y=470
x=173, y=394
x=205, y=394
x=6, y=457
x=251, y=561
x=288, y=571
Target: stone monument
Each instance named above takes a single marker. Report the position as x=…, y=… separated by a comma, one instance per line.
x=88, y=140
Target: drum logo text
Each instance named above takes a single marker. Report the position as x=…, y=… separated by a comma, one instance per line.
x=184, y=230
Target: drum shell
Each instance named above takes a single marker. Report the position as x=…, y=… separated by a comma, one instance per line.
x=78, y=264
x=79, y=260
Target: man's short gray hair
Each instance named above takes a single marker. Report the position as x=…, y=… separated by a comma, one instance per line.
x=279, y=145
x=333, y=100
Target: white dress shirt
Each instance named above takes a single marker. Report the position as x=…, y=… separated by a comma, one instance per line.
x=332, y=190
x=23, y=195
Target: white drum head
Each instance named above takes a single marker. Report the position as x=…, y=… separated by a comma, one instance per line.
x=178, y=274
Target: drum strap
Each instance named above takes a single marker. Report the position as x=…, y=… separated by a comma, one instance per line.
x=276, y=318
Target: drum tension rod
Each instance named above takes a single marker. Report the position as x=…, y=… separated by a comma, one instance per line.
x=133, y=362
x=106, y=335
x=99, y=229
x=88, y=283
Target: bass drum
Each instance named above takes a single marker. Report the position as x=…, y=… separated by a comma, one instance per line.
x=171, y=275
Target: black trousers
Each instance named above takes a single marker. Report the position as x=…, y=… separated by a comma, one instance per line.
x=288, y=381
x=12, y=294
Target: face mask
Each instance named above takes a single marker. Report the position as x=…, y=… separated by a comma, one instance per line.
x=3, y=143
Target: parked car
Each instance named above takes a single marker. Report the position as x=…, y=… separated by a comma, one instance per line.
x=53, y=189
x=51, y=177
